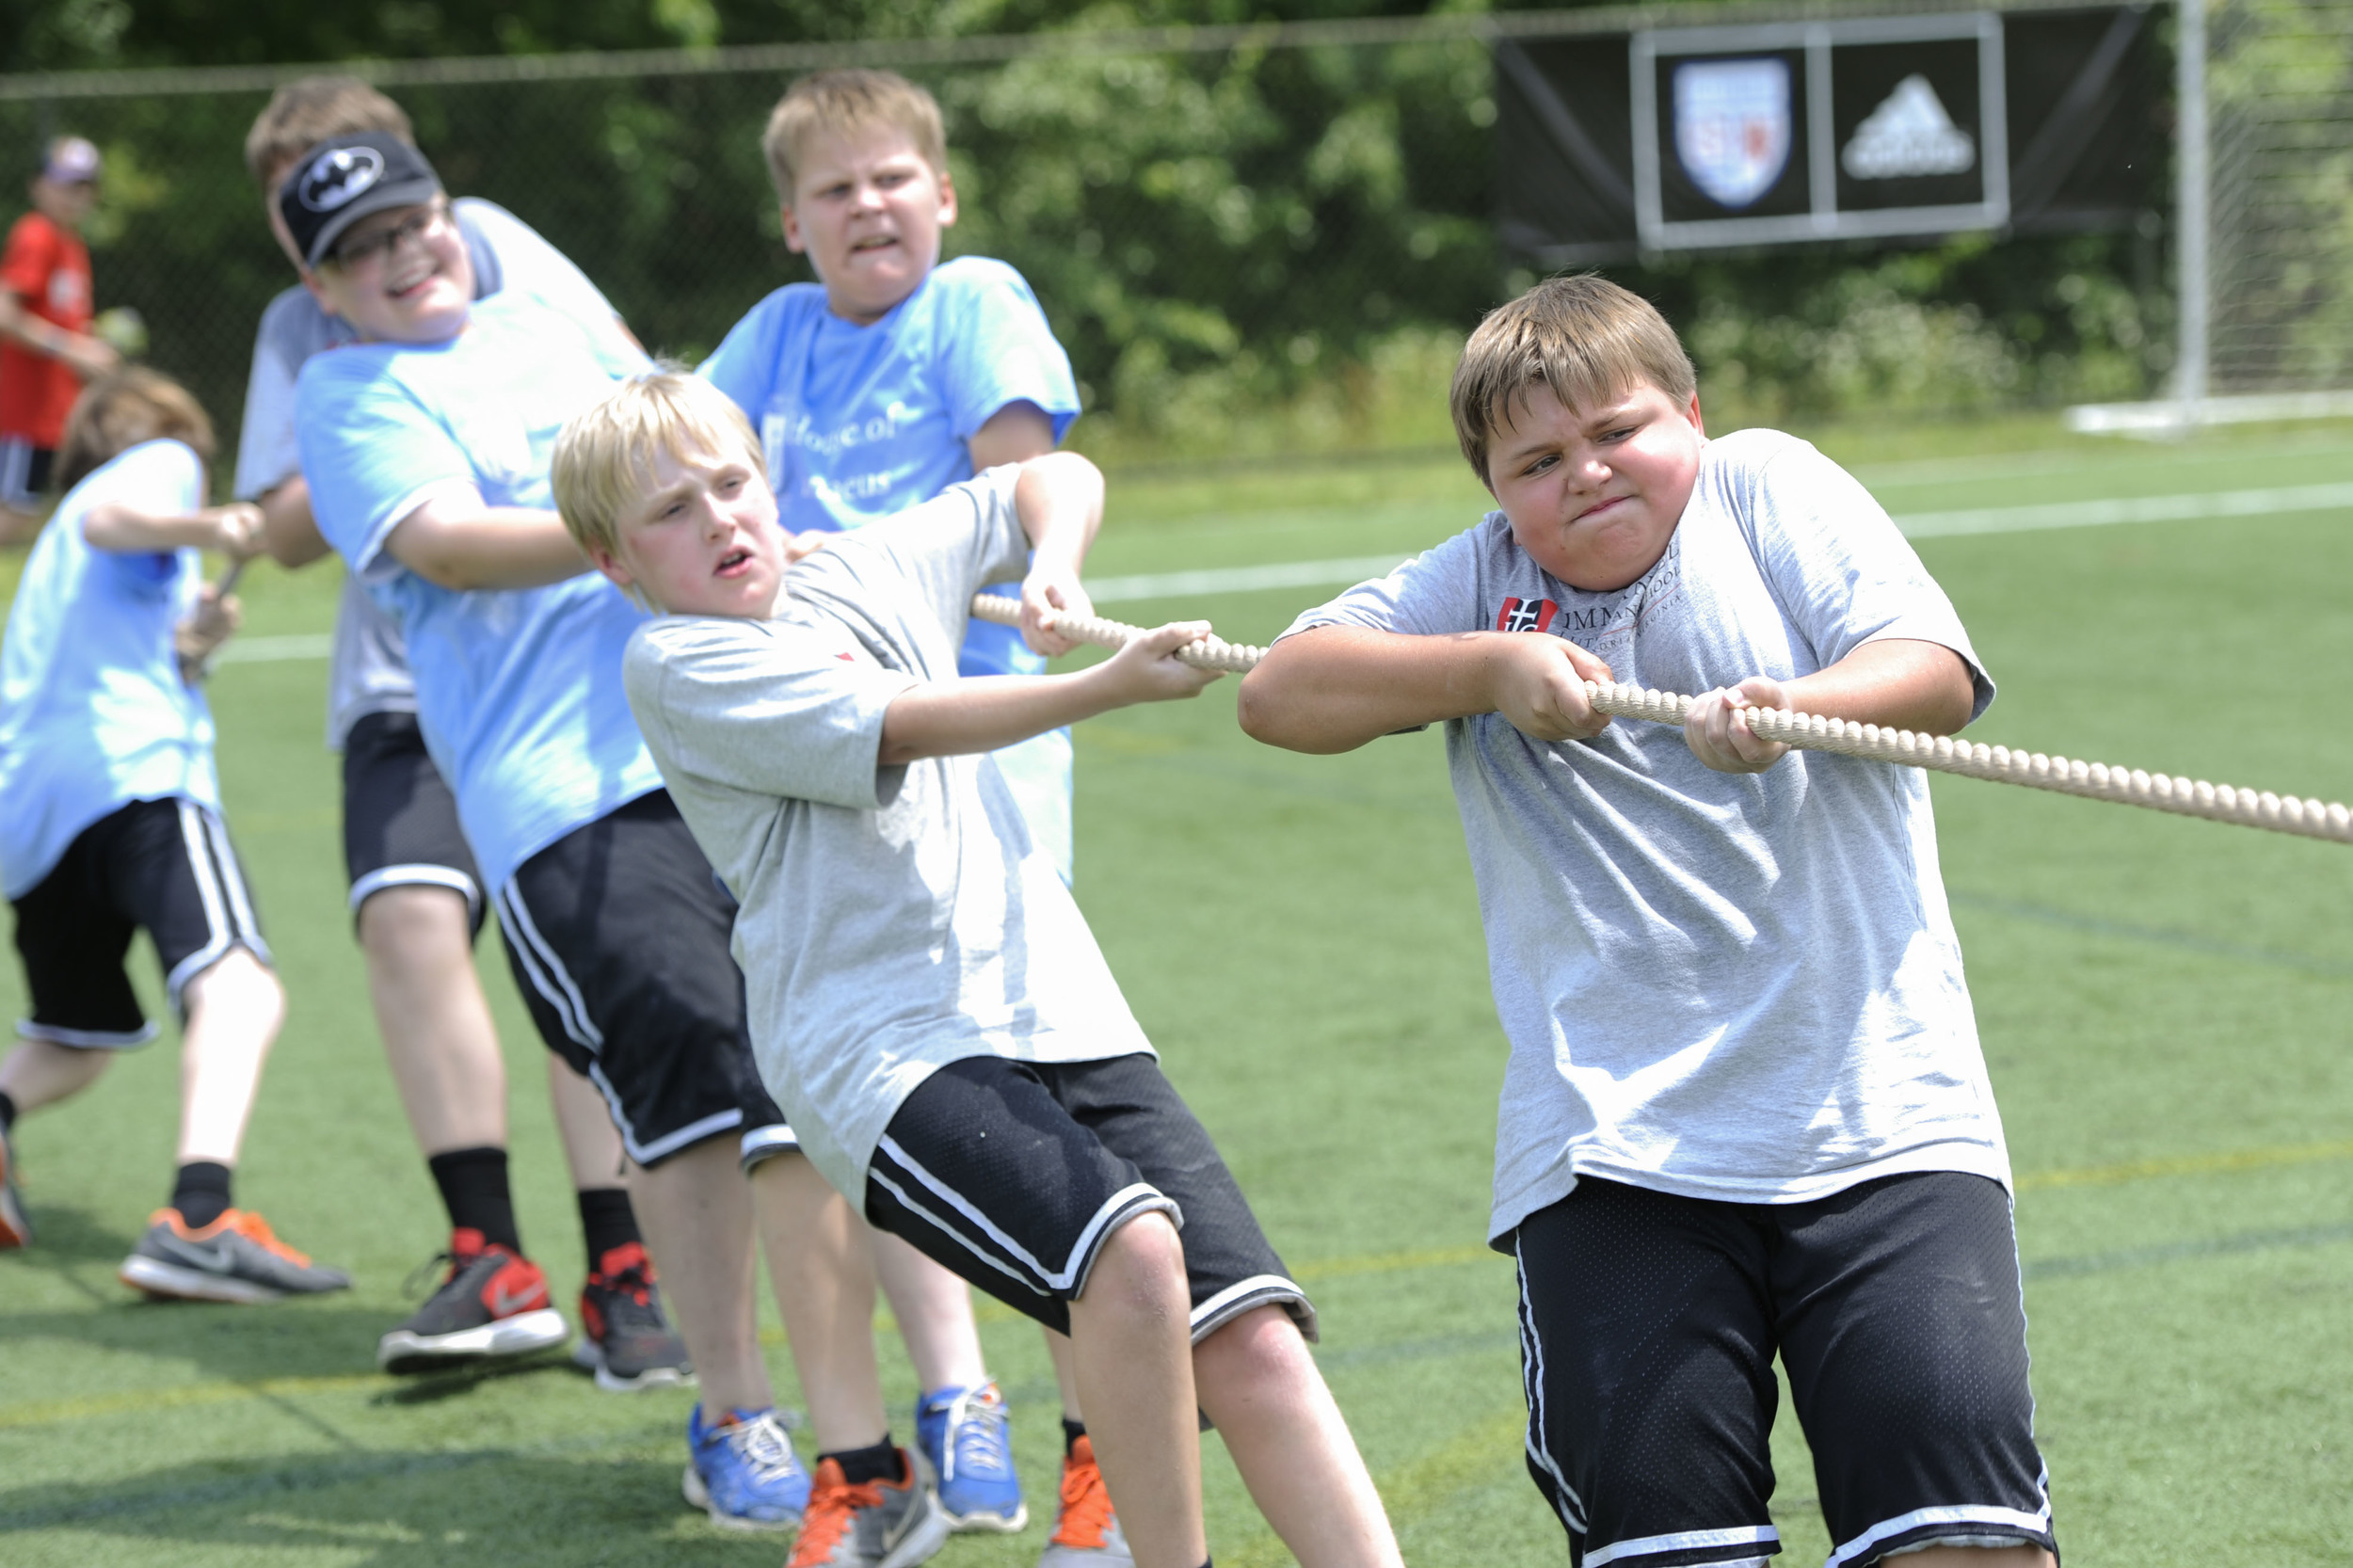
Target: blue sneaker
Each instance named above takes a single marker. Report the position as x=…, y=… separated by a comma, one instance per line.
x=965, y=1452
x=741, y=1472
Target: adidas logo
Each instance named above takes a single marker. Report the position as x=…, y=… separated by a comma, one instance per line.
x=1908, y=134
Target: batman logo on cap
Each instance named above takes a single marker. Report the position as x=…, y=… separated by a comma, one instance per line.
x=335, y=178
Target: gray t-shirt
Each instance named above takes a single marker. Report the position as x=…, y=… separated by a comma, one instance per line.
x=368, y=671
x=894, y=918
x=1734, y=986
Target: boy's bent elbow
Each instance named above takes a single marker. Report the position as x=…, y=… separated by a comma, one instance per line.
x=1275, y=712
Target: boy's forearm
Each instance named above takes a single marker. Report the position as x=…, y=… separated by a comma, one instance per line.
x=1059, y=498
x=987, y=712
x=289, y=532
x=122, y=529
x=1337, y=687
x=467, y=546
x=1896, y=681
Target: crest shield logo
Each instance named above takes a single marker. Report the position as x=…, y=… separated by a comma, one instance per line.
x=1732, y=126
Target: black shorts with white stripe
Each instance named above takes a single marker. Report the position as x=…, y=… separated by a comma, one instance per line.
x=1015, y=1174
x=1648, y=1327
x=400, y=818
x=164, y=867
x=618, y=934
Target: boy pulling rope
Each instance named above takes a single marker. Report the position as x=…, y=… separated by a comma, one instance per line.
x=2186, y=797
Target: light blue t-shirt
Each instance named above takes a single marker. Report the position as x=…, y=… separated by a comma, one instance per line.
x=93, y=714
x=369, y=670
x=858, y=422
x=519, y=691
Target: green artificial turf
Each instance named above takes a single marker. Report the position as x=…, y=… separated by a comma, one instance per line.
x=2164, y=1005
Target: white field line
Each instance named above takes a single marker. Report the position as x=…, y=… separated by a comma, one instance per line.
x=1355, y=568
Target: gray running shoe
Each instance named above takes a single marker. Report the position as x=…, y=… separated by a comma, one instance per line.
x=16, y=1231
x=1086, y=1531
x=235, y=1258
x=625, y=1337
x=874, y=1524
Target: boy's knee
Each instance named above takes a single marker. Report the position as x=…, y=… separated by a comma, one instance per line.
x=1140, y=1268
x=240, y=981
x=405, y=923
x=1263, y=1345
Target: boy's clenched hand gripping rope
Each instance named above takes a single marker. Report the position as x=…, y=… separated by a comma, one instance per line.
x=2186, y=797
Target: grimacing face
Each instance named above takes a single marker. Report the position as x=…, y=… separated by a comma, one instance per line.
x=1594, y=494
x=867, y=210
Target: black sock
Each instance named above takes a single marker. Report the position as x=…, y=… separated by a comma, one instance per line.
x=8, y=1110
x=1071, y=1432
x=473, y=1190
x=879, y=1463
x=606, y=1221
x=201, y=1192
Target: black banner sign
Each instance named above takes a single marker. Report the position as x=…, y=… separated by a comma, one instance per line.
x=1854, y=127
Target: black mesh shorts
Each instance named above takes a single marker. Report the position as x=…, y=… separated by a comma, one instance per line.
x=1648, y=1327
x=164, y=867
x=400, y=819
x=1014, y=1174
x=619, y=936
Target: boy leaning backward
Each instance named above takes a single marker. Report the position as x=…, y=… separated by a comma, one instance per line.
x=425, y=447
x=889, y=378
x=110, y=824
x=1745, y=1110
x=927, y=1001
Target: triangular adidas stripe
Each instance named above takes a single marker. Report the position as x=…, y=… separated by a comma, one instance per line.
x=1908, y=134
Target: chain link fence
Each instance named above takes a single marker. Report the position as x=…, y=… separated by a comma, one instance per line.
x=1248, y=238
x=2279, y=76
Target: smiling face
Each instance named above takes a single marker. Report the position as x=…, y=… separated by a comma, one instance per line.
x=867, y=210
x=702, y=541
x=399, y=275
x=1594, y=494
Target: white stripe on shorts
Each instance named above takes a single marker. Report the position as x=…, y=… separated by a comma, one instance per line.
x=1256, y=1292
x=220, y=888
x=86, y=1039
x=1072, y=1277
x=422, y=875
x=546, y=972
x=2032, y=1526
x=1532, y=1386
x=765, y=1142
x=1684, y=1540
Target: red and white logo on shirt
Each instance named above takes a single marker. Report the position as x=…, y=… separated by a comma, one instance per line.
x=1519, y=615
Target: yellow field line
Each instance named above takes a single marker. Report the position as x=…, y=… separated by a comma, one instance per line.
x=988, y=1311
x=2195, y=1164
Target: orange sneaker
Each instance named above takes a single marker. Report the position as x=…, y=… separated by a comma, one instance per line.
x=491, y=1303
x=1086, y=1531
x=874, y=1524
x=235, y=1258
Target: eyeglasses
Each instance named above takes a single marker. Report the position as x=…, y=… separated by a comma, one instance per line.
x=386, y=243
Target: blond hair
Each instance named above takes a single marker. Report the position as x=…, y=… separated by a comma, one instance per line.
x=314, y=109
x=841, y=104
x=119, y=410
x=1587, y=340
x=605, y=458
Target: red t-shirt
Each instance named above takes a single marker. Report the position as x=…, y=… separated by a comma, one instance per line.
x=48, y=271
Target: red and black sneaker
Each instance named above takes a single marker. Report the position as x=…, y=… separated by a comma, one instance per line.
x=492, y=1304
x=626, y=1339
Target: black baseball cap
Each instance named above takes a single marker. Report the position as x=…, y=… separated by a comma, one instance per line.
x=342, y=180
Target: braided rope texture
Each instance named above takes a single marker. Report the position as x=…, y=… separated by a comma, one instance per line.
x=2185, y=797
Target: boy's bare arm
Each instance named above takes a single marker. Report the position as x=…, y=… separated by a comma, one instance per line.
x=120, y=528
x=984, y=713
x=1059, y=498
x=1335, y=687
x=462, y=542
x=1014, y=434
x=1899, y=682
x=88, y=356
x=290, y=534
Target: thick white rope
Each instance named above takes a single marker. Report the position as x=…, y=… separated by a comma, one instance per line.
x=2187, y=797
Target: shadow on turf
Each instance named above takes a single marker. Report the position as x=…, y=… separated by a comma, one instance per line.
x=397, y=1511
